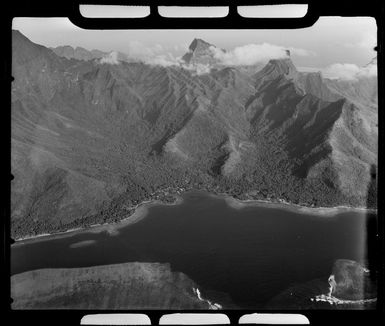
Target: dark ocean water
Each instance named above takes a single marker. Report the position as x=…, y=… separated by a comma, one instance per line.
x=251, y=254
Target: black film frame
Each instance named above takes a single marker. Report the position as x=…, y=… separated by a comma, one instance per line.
x=70, y=9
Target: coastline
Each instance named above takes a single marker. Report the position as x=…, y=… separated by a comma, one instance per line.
x=141, y=210
x=112, y=229
x=281, y=204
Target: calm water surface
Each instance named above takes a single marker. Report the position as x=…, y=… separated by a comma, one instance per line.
x=252, y=254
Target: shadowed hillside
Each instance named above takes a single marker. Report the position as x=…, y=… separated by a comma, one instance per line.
x=90, y=140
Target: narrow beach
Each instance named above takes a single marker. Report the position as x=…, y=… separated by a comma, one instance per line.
x=142, y=209
x=111, y=228
x=320, y=211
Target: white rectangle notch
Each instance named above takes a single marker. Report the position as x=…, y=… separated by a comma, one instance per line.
x=107, y=11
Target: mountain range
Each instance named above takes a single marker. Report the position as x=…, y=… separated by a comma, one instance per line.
x=78, y=53
x=92, y=138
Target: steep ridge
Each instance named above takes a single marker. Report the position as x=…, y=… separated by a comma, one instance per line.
x=91, y=138
x=313, y=83
x=324, y=134
x=78, y=53
x=274, y=69
x=362, y=92
x=199, y=53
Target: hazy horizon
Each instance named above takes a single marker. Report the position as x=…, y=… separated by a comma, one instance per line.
x=331, y=41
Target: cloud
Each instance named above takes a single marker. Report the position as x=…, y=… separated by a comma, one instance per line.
x=368, y=41
x=137, y=51
x=349, y=71
x=164, y=60
x=301, y=52
x=153, y=55
x=166, y=55
x=253, y=53
x=182, y=48
x=197, y=68
x=111, y=58
x=308, y=69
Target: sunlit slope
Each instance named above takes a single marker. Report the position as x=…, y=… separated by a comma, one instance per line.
x=90, y=139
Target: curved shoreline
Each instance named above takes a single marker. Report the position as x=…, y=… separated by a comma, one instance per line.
x=319, y=211
x=141, y=211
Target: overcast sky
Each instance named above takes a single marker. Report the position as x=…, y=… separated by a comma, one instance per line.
x=329, y=41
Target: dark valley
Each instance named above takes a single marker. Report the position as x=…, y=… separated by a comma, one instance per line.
x=92, y=139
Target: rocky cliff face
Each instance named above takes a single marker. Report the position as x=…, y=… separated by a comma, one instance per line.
x=200, y=52
x=90, y=138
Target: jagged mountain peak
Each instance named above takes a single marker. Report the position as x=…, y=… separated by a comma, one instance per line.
x=274, y=69
x=199, y=44
x=19, y=39
x=23, y=50
x=78, y=53
x=282, y=66
x=199, y=53
x=285, y=124
x=17, y=34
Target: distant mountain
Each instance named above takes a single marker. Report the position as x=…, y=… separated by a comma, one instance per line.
x=78, y=53
x=321, y=130
x=361, y=92
x=199, y=53
x=92, y=138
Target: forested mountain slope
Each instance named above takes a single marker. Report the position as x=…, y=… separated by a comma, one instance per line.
x=90, y=140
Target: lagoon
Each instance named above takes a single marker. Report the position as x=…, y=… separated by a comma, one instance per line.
x=249, y=253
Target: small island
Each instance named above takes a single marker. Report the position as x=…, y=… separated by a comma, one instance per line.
x=350, y=286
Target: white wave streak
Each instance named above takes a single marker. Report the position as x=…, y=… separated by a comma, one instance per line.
x=212, y=305
x=335, y=301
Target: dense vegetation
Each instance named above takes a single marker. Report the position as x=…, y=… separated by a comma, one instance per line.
x=91, y=141
x=270, y=179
